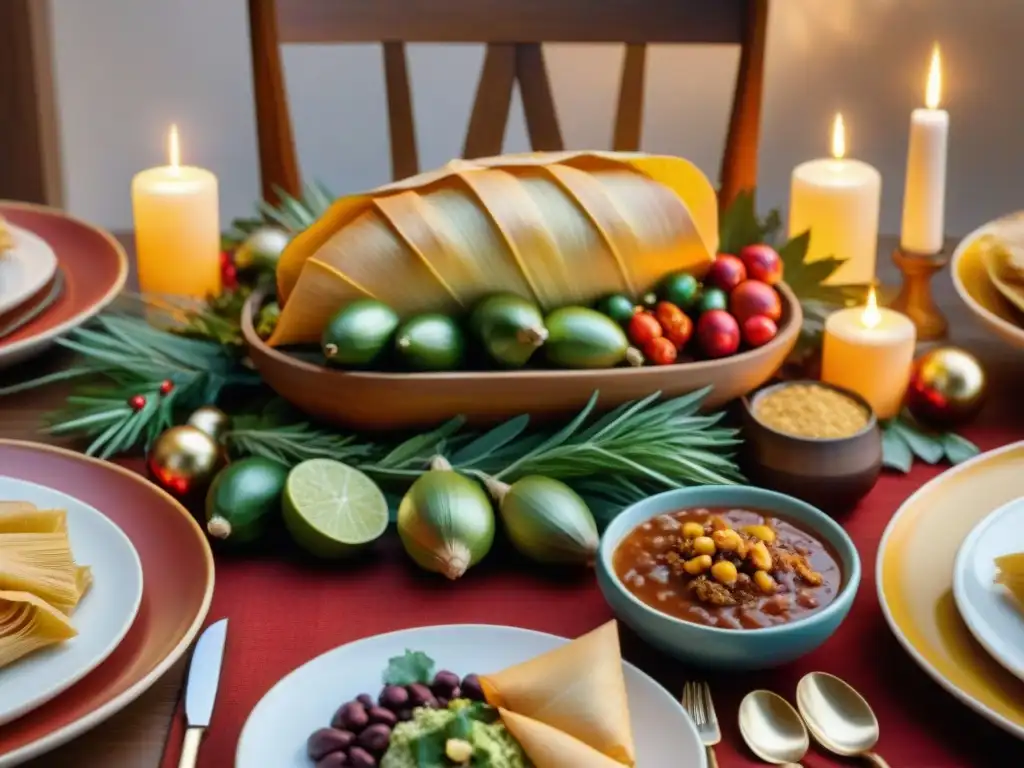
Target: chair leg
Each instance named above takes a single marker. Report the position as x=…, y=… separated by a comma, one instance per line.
x=278, y=163
x=739, y=163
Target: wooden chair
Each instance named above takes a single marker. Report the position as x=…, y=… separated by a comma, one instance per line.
x=513, y=31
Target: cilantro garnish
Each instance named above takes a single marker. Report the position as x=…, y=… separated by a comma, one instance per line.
x=411, y=667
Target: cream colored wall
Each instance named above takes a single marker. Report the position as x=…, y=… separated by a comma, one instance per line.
x=126, y=69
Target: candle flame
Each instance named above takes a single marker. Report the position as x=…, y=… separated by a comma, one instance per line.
x=933, y=91
x=871, y=317
x=174, y=148
x=838, y=138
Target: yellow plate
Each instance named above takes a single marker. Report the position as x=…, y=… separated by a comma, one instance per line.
x=915, y=581
x=972, y=283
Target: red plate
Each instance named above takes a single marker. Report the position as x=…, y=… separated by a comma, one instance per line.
x=177, y=567
x=95, y=269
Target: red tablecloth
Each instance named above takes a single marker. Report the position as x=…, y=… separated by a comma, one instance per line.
x=284, y=613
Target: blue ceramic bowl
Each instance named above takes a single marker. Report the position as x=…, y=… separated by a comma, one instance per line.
x=729, y=648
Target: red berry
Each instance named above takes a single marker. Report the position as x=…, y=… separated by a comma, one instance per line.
x=660, y=351
x=643, y=326
x=718, y=333
x=759, y=330
x=137, y=402
x=752, y=297
x=225, y=258
x=726, y=272
x=669, y=315
x=166, y=386
x=680, y=333
x=762, y=263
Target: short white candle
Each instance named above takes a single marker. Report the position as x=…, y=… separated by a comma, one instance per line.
x=924, y=198
x=869, y=350
x=838, y=200
x=177, y=228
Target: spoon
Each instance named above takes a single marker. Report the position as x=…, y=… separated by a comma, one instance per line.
x=838, y=717
x=772, y=729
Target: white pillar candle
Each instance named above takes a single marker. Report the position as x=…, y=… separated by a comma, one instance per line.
x=924, y=198
x=177, y=228
x=870, y=350
x=838, y=200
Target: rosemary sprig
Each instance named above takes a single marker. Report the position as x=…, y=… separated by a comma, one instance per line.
x=638, y=448
x=123, y=356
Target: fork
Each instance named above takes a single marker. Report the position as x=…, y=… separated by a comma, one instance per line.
x=697, y=702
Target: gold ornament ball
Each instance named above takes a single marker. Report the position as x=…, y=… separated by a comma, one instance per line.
x=184, y=459
x=262, y=249
x=211, y=420
x=947, y=388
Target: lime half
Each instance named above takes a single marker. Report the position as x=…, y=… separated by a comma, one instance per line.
x=331, y=509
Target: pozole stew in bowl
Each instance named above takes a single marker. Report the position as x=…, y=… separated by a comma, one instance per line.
x=729, y=576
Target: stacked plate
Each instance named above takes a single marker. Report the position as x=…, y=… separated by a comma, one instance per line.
x=55, y=273
x=152, y=580
x=988, y=274
x=936, y=576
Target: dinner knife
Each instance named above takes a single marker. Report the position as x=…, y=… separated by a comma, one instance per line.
x=201, y=689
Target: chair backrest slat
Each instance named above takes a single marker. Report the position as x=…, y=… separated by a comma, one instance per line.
x=512, y=21
x=514, y=32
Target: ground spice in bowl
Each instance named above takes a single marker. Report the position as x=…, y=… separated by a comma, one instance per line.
x=811, y=410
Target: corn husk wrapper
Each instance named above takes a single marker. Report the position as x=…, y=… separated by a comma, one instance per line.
x=569, y=703
x=558, y=228
x=28, y=624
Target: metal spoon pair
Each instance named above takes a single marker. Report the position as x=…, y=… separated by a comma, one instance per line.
x=838, y=717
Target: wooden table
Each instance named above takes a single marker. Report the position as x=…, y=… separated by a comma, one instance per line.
x=135, y=737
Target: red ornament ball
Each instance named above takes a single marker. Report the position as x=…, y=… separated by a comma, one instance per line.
x=759, y=330
x=660, y=351
x=137, y=402
x=718, y=333
x=763, y=263
x=166, y=386
x=726, y=272
x=229, y=277
x=752, y=297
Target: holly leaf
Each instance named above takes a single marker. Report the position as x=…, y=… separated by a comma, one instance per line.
x=807, y=278
x=411, y=667
x=896, y=454
x=958, y=449
x=740, y=225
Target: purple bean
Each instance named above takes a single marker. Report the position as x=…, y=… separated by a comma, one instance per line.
x=366, y=700
x=421, y=696
x=394, y=697
x=351, y=717
x=375, y=739
x=444, y=683
x=442, y=702
x=471, y=688
x=328, y=740
x=404, y=715
x=360, y=758
x=334, y=760
x=383, y=716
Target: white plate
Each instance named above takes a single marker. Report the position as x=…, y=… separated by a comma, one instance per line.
x=25, y=269
x=276, y=731
x=102, y=618
x=987, y=608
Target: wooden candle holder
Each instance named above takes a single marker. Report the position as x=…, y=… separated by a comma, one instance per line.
x=915, y=296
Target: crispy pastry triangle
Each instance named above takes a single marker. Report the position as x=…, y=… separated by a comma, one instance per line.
x=549, y=747
x=577, y=688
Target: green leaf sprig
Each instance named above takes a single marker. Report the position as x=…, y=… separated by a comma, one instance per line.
x=904, y=440
x=411, y=667
x=294, y=214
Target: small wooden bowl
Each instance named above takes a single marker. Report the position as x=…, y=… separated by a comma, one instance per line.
x=831, y=473
x=384, y=401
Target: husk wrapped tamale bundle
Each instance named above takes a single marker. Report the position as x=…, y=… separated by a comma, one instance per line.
x=558, y=228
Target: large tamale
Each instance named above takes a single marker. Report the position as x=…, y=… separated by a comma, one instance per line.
x=556, y=227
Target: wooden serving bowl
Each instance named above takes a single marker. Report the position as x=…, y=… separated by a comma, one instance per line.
x=833, y=474
x=370, y=400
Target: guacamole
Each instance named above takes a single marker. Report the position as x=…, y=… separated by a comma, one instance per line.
x=420, y=742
